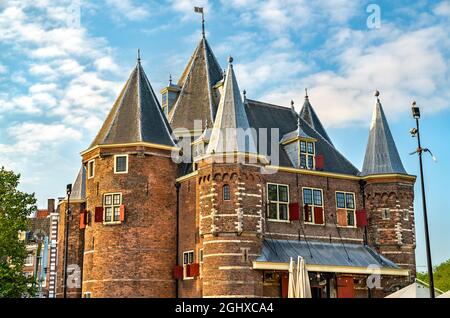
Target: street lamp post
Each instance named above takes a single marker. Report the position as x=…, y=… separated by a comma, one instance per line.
x=415, y=132
x=66, y=238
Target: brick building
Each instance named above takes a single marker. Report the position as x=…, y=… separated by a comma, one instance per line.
x=209, y=194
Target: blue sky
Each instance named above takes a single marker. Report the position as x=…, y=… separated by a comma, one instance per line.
x=59, y=78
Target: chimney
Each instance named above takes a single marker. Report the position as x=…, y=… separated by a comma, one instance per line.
x=51, y=205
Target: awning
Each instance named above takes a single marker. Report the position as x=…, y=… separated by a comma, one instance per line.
x=326, y=257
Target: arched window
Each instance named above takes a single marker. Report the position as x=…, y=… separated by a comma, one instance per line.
x=226, y=192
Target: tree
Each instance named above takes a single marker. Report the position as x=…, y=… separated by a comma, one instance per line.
x=441, y=274
x=15, y=206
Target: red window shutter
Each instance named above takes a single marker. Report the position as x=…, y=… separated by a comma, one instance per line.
x=294, y=211
x=83, y=219
x=194, y=269
x=341, y=217
x=306, y=213
x=320, y=162
x=99, y=214
x=178, y=272
x=361, y=218
x=284, y=285
x=122, y=213
x=318, y=215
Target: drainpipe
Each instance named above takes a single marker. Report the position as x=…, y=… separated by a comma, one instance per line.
x=362, y=185
x=177, y=186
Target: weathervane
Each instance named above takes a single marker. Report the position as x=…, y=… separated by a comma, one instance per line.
x=200, y=10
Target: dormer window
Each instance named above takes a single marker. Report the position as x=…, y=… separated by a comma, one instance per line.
x=307, y=154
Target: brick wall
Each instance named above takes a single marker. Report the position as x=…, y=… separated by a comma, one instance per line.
x=134, y=258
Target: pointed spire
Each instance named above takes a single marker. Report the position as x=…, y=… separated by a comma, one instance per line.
x=231, y=120
x=139, y=56
x=381, y=153
x=196, y=100
x=79, y=186
x=308, y=114
x=136, y=116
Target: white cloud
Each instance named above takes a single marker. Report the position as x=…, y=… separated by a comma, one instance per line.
x=404, y=67
x=442, y=9
x=3, y=69
x=129, y=10
x=186, y=8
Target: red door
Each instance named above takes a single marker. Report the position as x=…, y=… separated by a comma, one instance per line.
x=345, y=287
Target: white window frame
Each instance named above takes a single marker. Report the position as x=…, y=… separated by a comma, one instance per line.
x=312, y=206
x=185, y=277
x=383, y=210
x=277, y=203
x=306, y=154
x=87, y=293
x=200, y=261
x=115, y=164
x=112, y=206
x=405, y=215
x=346, y=208
x=32, y=256
x=89, y=169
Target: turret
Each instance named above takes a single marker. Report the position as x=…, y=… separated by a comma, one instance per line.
x=130, y=238
x=230, y=202
x=389, y=193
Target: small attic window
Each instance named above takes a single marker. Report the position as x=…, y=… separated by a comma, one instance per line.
x=121, y=164
x=307, y=154
x=91, y=169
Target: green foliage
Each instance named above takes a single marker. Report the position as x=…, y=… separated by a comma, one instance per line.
x=15, y=206
x=441, y=274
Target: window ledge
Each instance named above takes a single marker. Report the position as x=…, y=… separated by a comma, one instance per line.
x=279, y=221
x=347, y=227
x=310, y=223
x=112, y=223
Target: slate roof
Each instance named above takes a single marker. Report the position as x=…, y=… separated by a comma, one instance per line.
x=79, y=186
x=196, y=100
x=264, y=115
x=136, y=116
x=231, y=116
x=308, y=114
x=323, y=253
x=381, y=153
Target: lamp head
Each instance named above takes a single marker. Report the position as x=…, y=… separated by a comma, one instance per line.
x=69, y=189
x=415, y=110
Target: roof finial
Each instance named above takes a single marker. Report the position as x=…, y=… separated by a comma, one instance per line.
x=245, y=94
x=170, y=79
x=200, y=10
x=377, y=95
x=292, y=105
x=306, y=93
x=230, y=60
x=139, y=56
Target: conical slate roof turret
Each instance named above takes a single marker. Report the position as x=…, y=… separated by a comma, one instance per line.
x=231, y=120
x=136, y=115
x=308, y=114
x=381, y=154
x=196, y=100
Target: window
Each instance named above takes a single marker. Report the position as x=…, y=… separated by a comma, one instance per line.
x=111, y=205
x=200, y=260
x=278, y=195
x=87, y=295
x=121, y=164
x=314, y=199
x=345, y=204
x=226, y=192
x=386, y=214
x=307, y=153
x=188, y=258
x=91, y=169
x=405, y=215
x=29, y=260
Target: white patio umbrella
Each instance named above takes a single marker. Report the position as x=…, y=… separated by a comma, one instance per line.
x=298, y=279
